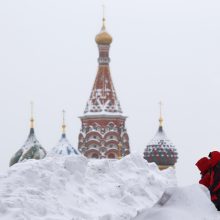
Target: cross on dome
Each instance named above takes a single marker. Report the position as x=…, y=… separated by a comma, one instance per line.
x=161, y=117
x=103, y=38
x=32, y=115
x=64, y=125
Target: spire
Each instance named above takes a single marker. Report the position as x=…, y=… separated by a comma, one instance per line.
x=103, y=114
x=32, y=115
x=64, y=125
x=161, y=117
x=103, y=98
x=103, y=18
x=32, y=119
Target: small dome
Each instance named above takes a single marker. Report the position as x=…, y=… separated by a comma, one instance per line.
x=161, y=151
x=32, y=149
x=63, y=148
x=103, y=37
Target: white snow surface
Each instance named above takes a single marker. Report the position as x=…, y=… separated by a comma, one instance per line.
x=186, y=203
x=75, y=188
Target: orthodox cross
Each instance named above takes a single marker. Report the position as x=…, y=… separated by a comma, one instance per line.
x=64, y=126
x=32, y=115
x=161, y=117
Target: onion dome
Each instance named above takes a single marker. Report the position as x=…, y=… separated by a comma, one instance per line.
x=161, y=150
x=63, y=148
x=103, y=37
x=32, y=149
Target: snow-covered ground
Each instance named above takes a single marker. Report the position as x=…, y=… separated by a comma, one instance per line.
x=75, y=188
x=187, y=203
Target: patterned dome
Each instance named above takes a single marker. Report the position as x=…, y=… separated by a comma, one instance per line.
x=160, y=150
x=30, y=150
x=63, y=148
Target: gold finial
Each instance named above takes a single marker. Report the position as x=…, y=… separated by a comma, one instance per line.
x=119, y=150
x=103, y=17
x=32, y=115
x=103, y=38
x=161, y=117
x=64, y=125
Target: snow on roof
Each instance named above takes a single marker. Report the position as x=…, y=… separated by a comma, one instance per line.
x=31, y=140
x=160, y=136
x=31, y=149
x=103, y=115
x=161, y=150
x=63, y=148
x=103, y=98
x=73, y=187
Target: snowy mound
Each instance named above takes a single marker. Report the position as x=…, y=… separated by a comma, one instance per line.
x=75, y=188
x=191, y=203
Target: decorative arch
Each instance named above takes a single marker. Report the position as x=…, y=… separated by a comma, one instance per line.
x=93, y=154
x=111, y=142
x=92, y=142
x=112, y=154
x=111, y=133
x=93, y=133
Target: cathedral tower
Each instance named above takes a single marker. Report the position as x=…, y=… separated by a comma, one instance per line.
x=103, y=133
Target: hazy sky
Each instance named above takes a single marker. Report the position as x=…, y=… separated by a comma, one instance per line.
x=162, y=50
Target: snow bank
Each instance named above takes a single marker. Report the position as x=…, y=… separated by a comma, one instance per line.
x=75, y=188
x=191, y=203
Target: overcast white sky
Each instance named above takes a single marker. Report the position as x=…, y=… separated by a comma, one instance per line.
x=162, y=50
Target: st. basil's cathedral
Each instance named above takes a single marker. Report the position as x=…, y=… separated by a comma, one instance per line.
x=103, y=131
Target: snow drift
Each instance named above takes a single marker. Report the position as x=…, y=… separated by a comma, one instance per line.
x=75, y=188
x=191, y=203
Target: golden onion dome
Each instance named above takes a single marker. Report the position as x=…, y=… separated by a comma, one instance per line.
x=103, y=37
